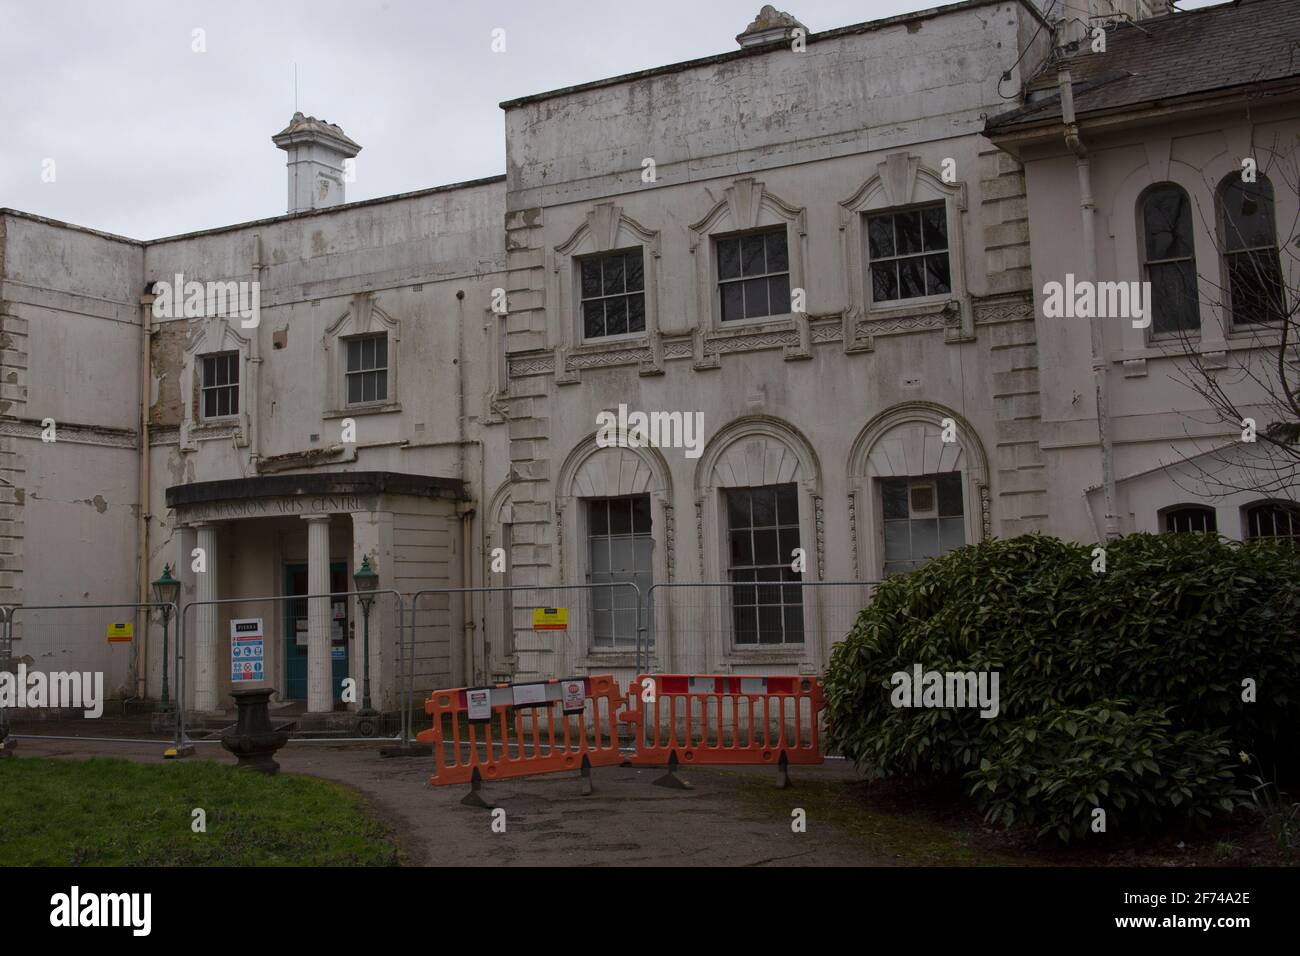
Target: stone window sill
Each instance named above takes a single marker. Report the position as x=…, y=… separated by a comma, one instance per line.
x=379, y=409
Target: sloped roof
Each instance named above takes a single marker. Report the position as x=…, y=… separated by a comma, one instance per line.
x=1182, y=54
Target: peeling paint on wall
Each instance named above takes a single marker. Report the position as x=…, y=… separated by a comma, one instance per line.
x=167, y=353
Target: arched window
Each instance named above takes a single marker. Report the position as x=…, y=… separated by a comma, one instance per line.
x=1273, y=519
x=1183, y=518
x=1170, y=259
x=1251, y=264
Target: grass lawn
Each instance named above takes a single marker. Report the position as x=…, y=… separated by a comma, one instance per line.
x=106, y=812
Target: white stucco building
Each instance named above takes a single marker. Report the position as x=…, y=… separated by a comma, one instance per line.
x=832, y=246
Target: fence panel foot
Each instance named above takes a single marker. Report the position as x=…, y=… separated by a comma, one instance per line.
x=670, y=779
x=475, y=796
x=783, y=772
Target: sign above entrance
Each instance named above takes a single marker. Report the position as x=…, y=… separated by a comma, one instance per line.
x=276, y=507
x=550, y=619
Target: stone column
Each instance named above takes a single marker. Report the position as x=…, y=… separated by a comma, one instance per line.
x=320, y=696
x=206, y=617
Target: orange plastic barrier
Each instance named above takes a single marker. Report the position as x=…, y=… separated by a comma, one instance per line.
x=722, y=719
x=515, y=730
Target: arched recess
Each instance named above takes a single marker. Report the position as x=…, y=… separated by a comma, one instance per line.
x=901, y=181
x=907, y=441
x=590, y=472
x=216, y=334
x=749, y=452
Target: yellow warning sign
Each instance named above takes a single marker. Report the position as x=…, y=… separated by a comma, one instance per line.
x=550, y=619
x=121, y=633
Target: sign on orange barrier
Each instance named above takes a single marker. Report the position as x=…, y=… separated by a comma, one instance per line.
x=724, y=719
x=517, y=730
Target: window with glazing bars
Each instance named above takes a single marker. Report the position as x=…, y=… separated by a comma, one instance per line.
x=613, y=294
x=763, y=533
x=619, y=549
x=220, y=386
x=753, y=275
x=367, y=371
x=908, y=252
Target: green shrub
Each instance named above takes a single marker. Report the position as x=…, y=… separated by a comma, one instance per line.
x=1054, y=770
x=1174, y=625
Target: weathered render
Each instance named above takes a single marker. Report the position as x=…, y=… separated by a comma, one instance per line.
x=480, y=460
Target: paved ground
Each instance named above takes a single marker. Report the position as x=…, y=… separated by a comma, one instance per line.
x=729, y=819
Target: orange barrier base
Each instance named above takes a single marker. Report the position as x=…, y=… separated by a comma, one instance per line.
x=500, y=746
x=684, y=716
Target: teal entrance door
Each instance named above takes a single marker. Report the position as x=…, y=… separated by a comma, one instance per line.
x=295, y=629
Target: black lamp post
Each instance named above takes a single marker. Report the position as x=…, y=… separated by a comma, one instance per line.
x=167, y=590
x=366, y=581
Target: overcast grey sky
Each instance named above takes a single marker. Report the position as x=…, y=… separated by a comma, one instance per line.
x=151, y=139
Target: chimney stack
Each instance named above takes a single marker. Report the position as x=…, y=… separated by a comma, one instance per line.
x=317, y=151
x=769, y=26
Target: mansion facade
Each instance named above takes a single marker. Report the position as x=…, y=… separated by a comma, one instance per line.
x=835, y=255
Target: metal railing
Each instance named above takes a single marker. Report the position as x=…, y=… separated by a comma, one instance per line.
x=283, y=608
x=699, y=623
x=72, y=639
x=433, y=633
x=598, y=619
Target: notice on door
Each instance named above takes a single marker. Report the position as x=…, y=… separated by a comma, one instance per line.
x=246, y=649
x=550, y=619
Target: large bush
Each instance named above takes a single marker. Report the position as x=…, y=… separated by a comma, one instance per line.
x=1120, y=689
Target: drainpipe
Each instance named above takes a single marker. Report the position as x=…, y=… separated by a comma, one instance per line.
x=466, y=508
x=255, y=369
x=1087, y=212
x=143, y=515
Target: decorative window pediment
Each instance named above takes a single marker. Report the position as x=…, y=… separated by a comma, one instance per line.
x=606, y=229
x=363, y=317
x=902, y=183
x=746, y=207
x=213, y=335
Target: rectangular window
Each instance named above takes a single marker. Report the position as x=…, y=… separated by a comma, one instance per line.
x=922, y=517
x=220, y=385
x=762, y=534
x=367, y=369
x=619, y=548
x=908, y=251
x=753, y=275
x=612, y=294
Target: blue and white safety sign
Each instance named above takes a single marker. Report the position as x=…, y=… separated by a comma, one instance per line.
x=247, y=649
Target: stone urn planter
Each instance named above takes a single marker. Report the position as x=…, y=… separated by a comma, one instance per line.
x=253, y=739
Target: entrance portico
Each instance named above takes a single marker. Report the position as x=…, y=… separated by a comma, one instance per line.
x=237, y=539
